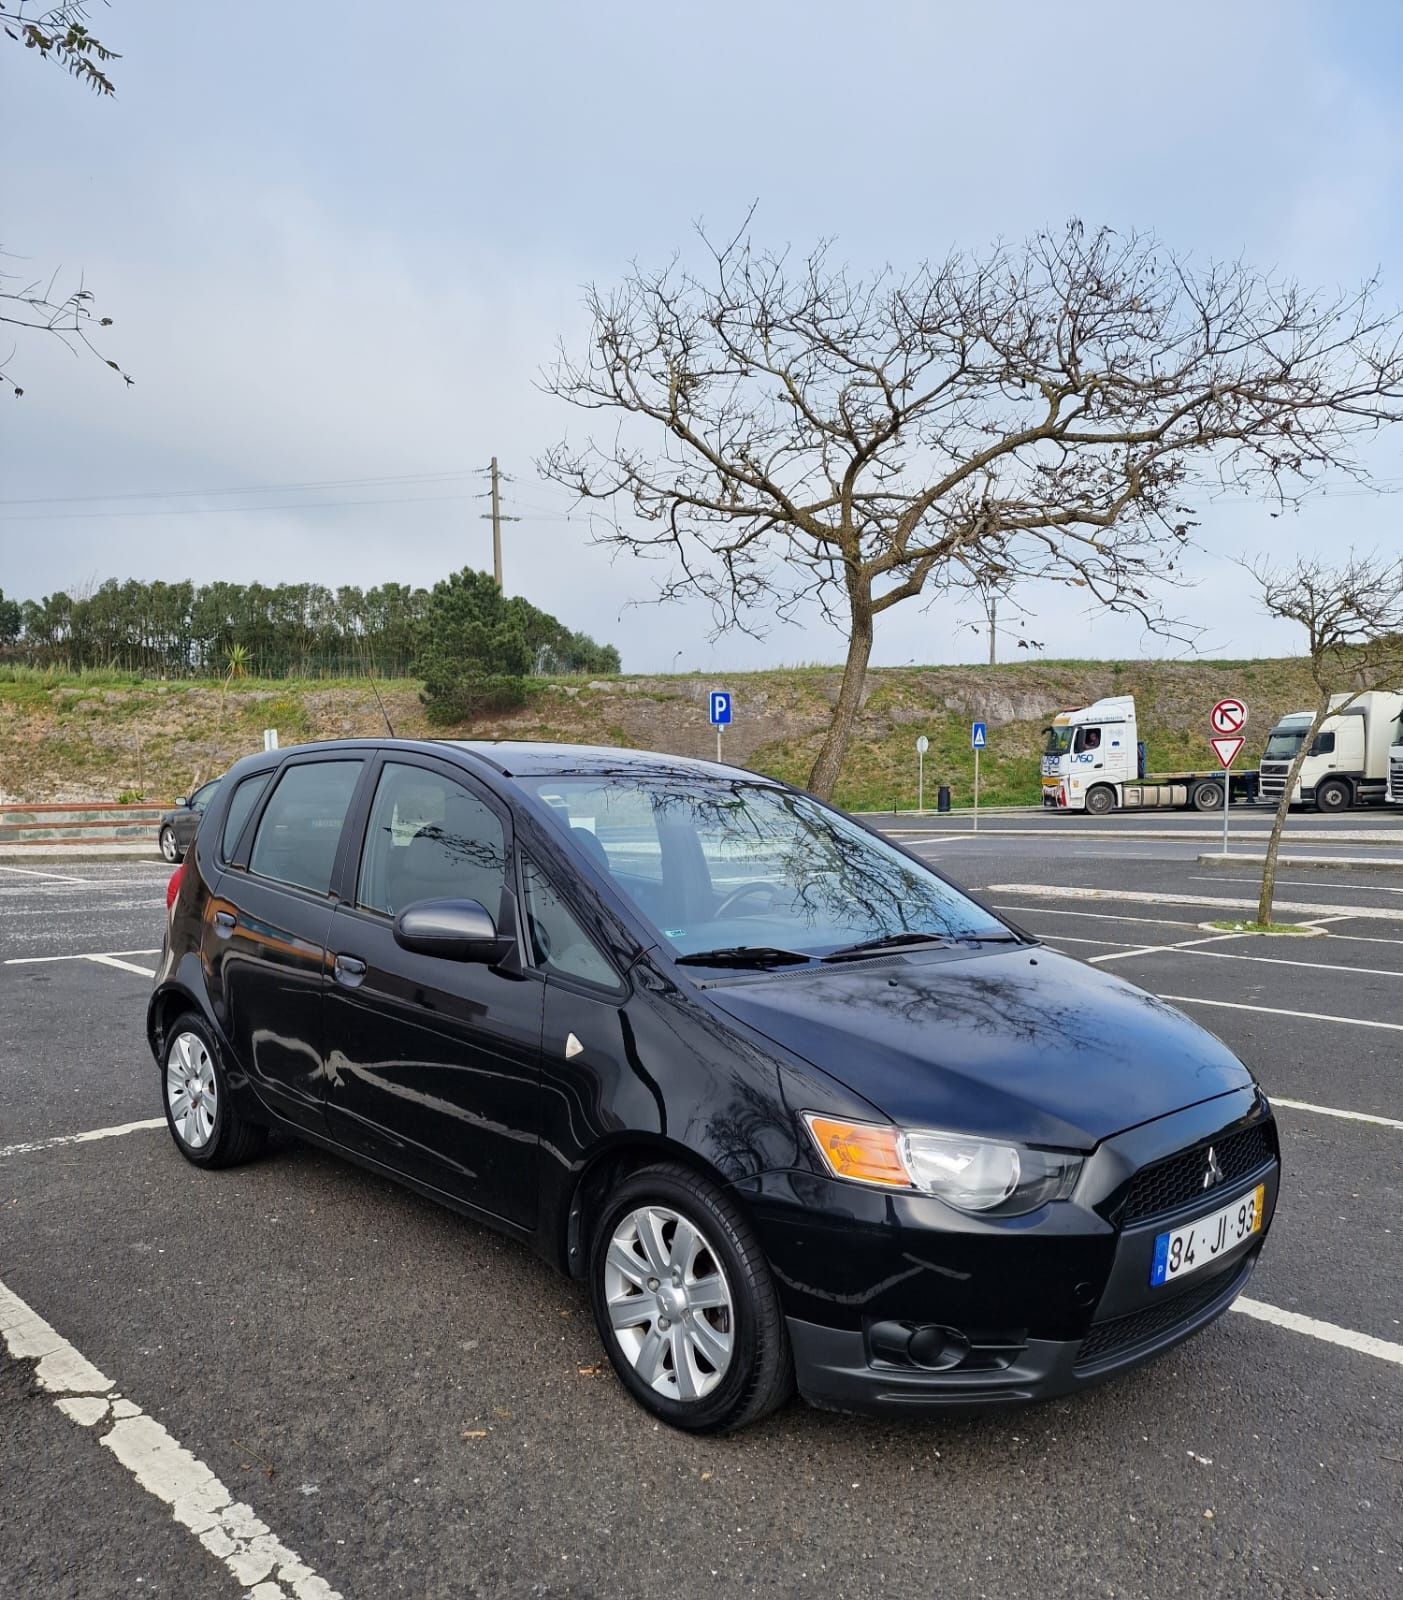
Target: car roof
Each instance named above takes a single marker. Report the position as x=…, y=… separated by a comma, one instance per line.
x=532, y=758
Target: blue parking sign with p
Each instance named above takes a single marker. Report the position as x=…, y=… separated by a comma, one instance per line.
x=979, y=736
x=720, y=708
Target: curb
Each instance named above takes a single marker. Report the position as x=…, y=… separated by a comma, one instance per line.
x=1244, y=858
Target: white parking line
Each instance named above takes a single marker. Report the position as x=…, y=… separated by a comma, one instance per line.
x=1277, y=1011
x=123, y=966
x=55, y=877
x=1052, y=891
x=1366, y=1343
x=227, y=1528
x=82, y=955
x=1334, y=1111
x=1097, y=916
x=80, y=1138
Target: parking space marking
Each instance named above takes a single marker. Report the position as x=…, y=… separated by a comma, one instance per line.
x=1334, y=1111
x=1096, y=916
x=1278, y=1011
x=81, y=955
x=54, y=877
x=1347, y=1338
x=123, y=966
x=227, y=1528
x=80, y=1138
x=1054, y=891
x=1190, y=948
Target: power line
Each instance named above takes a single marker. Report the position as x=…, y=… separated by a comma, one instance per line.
x=266, y=488
x=239, y=511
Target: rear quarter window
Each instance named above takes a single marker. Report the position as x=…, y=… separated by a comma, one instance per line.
x=245, y=798
x=301, y=825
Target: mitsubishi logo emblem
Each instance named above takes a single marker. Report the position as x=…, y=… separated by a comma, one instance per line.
x=1214, y=1173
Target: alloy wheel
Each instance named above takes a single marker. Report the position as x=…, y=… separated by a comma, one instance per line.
x=191, y=1092
x=669, y=1304
x=168, y=849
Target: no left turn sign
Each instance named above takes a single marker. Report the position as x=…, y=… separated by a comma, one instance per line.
x=1229, y=716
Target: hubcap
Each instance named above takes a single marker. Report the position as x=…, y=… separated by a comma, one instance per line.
x=669, y=1303
x=190, y=1090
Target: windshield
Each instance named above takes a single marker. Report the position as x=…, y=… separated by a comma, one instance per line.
x=718, y=864
x=1057, y=741
x=1283, y=743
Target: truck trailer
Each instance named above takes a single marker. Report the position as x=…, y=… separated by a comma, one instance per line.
x=1093, y=760
x=1348, y=761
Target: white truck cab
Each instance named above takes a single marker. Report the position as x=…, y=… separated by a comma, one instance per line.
x=1395, y=765
x=1093, y=761
x=1348, y=761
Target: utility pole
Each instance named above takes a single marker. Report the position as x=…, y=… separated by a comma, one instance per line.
x=993, y=626
x=497, y=519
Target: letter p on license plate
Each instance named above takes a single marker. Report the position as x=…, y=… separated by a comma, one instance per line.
x=1207, y=1239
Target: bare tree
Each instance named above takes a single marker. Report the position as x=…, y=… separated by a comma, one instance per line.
x=787, y=432
x=1353, y=617
x=57, y=33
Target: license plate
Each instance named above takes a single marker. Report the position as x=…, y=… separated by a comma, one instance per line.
x=1196, y=1244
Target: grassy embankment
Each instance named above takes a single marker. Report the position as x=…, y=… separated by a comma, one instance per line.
x=104, y=736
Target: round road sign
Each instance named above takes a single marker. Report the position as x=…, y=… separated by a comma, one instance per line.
x=1229, y=716
x=922, y=745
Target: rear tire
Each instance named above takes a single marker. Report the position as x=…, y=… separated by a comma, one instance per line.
x=1333, y=796
x=200, y=1112
x=1208, y=797
x=1100, y=801
x=170, y=850
x=685, y=1302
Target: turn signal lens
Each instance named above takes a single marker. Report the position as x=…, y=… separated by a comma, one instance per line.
x=861, y=1150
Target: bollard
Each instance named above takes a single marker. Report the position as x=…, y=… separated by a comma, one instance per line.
x=942, y=798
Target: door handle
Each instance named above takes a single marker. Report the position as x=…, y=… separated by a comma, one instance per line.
x=348, y=971
x=225, y=922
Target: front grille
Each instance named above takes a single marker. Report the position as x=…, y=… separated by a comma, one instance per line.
x=1119, y=1335
x=1395, y=780
x=1178, y=1179
x=1271, y=777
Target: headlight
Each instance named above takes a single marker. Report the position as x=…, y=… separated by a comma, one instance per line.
x=980, y=1175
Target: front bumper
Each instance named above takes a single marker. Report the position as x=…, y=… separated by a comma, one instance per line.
x=1011, y=1309
x=835, y=1368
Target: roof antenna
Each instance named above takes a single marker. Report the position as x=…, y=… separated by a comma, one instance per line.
x=379, y=702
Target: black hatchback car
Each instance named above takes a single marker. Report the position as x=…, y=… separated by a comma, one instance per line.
x=797, y=1109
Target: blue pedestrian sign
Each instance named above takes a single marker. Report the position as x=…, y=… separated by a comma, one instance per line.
x=720, y=708
x=979, y=736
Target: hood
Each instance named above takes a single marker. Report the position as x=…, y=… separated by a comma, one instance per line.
x=1023, y=1044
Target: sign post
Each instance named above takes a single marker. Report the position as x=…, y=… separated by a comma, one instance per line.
x=922, y=745
x=720, y=714
x=978, y=739
x=1227, y=720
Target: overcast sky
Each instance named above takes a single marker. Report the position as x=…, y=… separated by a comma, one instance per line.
x=339, y=242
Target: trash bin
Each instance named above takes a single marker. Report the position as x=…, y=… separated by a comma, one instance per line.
x=942, y=799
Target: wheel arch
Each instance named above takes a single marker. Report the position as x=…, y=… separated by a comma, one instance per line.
x=605, y=1166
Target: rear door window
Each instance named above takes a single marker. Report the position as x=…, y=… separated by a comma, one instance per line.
x=300, y=828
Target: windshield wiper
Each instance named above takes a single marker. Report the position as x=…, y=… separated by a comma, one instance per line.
x=743, y=955
x=887, y=941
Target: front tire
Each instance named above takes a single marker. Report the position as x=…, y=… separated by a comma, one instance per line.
x=1333, y=796
x=170, y=850
x=1100, y=801
x=685, y=1302
x=200, y=1113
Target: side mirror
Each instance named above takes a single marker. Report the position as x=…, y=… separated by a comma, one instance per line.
x=454, y=930
x=181, y=802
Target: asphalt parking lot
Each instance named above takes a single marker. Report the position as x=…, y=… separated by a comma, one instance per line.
x=415, y=1406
